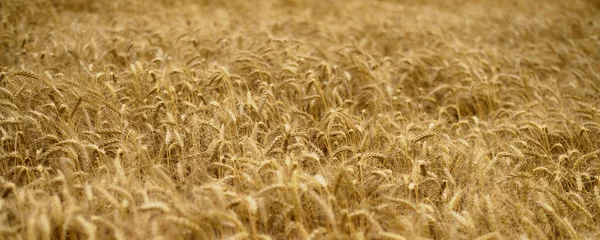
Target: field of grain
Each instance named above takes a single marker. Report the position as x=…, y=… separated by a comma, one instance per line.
x=300, y=119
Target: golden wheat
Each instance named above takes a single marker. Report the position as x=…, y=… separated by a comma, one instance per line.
x=299, y=119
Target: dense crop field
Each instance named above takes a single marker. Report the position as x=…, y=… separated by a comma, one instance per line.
x=300, y=119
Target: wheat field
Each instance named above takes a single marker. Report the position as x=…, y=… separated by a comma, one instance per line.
x=300, y=119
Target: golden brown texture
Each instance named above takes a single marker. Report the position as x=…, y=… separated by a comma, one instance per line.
x=321, y=119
